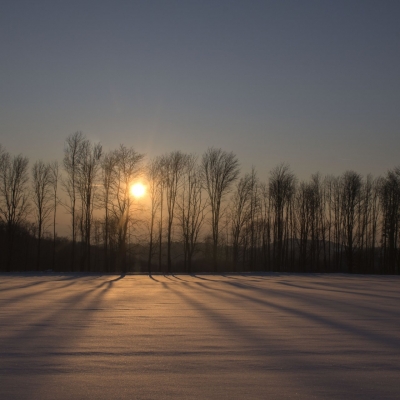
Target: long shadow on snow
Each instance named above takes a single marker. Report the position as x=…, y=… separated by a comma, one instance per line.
x=264, y=345
x=382, y=339
x=68, y=316
x=329, y=303
x=349, y=307
x=29, y=311
x=22, y=297
x=374, y=295
x=23, y=286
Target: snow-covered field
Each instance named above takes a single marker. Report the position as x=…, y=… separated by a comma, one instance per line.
x=273, y=336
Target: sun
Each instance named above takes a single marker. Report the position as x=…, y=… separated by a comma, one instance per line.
x=138, y=189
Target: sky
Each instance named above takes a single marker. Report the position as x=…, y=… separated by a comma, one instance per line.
x=314, y=84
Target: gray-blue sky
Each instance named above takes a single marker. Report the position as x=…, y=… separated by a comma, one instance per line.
x=311, y=83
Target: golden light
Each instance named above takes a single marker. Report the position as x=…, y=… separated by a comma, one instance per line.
x=138, y=189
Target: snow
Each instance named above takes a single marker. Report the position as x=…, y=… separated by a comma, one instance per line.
x=272, y=336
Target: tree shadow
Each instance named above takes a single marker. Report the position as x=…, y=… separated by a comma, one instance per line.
x=266, y=348
x=202, y=278
x=35, y=326
x=151, y=276
x=381, y=338
x=180, y=279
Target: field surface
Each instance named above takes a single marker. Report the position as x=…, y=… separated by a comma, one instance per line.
x=272, y=336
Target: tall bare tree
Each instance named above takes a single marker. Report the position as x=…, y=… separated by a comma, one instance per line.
x=155, y=182
x=239, y=213
x=108, y=176
x=374, y=212
x=219, y=170
x=253, y=215
x=72, y=154
x=41, y=174
x=88, y=170
x=161, y=192
x=14, y=200
x=191, y=206
x=390, y=200
x=54, y=178
x=303, y=201
x=309, y=214
x=173, y=169
x=317, y=220
x=128, y=166
x=281, y=189
x=266, y=225
x=351, y=190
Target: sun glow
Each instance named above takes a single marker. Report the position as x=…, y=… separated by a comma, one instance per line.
x=138, y=190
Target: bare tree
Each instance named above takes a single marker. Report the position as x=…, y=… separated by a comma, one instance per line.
x=366, y=224
x=266, y=224
x=54, y=178
x=351, y=189
x=390, y=200
x=108, y=178
x=128, y=166
x=281, y=189
x=239, y=213
x=72, y=154
x=304, y=212
x=155, y=182
x=219, y=170
x=309, y=214
x=87, y=174
x=374, y=215
x=325, y=222
x=191, y=209
x=335, y=210
x=41, y=175
x=316, y=221
x=14, y=202
x=173, y=168
x=161, y=192
x=253, y=214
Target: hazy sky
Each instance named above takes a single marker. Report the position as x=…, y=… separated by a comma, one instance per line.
x=312, y=83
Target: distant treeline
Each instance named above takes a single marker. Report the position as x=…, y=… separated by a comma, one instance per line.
x=199, y=214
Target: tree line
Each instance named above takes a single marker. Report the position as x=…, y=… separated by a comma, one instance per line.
x=199, y=214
